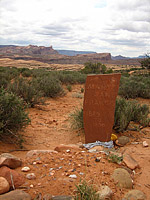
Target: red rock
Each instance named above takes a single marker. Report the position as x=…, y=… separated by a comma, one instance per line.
x=37, y=152
x=10, y=161
x=4, y=185
x=15, y=194
x=18, y=179
x=99, y=106
x=130, y=162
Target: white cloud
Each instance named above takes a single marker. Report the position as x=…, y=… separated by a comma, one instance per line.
x=115, y=26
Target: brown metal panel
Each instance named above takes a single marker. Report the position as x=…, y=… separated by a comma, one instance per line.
x=99, y=106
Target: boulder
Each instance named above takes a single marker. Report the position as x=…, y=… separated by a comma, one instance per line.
x=134, y=195
x=37, y=152
x=17, y=178
x=4, y=185
x=15, y=195
x=105, y=193
x=71, y=147
x=10, y=161
x=122, y=178
x=130, y=162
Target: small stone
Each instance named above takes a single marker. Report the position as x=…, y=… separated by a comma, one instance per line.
x=15, y=194
x=123, y=140
x=98, y=159
x=9, y=160
x=4, y=185
x=134, y=195
x=122, y=178
x=25, y=169
x=145, y=144
x=72, y=176
x=34, y=163
x=130, y=162
x=31, y=186
x=105, y=193
x=81, y=173
x=68, y=150
x=31, y=176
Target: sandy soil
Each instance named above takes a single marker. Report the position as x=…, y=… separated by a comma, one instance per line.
x=50, y=126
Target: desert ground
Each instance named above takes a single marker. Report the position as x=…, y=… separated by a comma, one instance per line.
x=50, y=126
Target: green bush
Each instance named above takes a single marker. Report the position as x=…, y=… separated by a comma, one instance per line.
x=127, y=111
x=94, y=68
x=145, y=63
x=13, y=116
x=71, y=77
x=49, y=86
x=6, y=75
x=27, y=91
x=135, y=86
x=84, y=191
x=69, y=88
x=77, y=119
x=26, y=72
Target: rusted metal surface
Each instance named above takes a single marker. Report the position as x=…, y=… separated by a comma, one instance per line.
x=99, y=106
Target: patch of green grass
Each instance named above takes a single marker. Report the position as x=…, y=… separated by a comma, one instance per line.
x=85, y=191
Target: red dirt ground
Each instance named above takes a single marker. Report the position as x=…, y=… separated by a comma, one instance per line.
x=50, y=126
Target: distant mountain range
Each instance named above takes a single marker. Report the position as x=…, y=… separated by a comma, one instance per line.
x=119, y=57
x=41, y=50
x=73, y=53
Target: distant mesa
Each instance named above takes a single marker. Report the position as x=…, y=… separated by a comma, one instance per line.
x=27, y=50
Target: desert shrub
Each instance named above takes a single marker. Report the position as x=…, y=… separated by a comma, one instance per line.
x=13, y=116
x=71, y=77
x=6, y=75
x=69, y=88
x=145, y=63
x=49, y=86
x=27, y=91
x=94, y=68
x=135, y=86
x=76, y=119
x=26, y=72
x=85, y=191
x=82, y=90
x=126, y=111
x=77, y=95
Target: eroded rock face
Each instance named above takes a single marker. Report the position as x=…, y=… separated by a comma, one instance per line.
x=9, y=160
x=99, y=106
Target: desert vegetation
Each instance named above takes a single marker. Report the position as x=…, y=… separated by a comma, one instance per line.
x=22, y=88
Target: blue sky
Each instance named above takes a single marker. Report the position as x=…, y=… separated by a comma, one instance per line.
x=114, y=26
